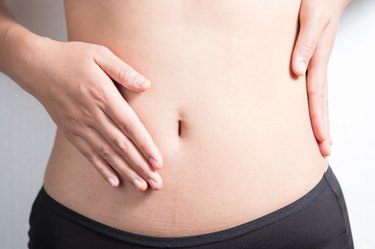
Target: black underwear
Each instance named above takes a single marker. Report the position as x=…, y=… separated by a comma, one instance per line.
x=319, y=219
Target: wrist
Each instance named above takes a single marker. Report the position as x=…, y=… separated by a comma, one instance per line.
x=19, y=48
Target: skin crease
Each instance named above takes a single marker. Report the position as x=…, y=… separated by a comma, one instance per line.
x=79, y=111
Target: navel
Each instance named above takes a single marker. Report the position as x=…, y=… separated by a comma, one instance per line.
x=179, y=127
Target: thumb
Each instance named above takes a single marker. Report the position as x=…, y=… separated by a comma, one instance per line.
x=311, y=28
x=119, y=71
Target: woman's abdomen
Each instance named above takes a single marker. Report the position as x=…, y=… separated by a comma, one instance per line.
x=245, y=146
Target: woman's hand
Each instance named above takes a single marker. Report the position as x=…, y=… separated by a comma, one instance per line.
x=73, y=82
x=318, y=22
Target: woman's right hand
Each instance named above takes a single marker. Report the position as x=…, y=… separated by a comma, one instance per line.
x=73, y=82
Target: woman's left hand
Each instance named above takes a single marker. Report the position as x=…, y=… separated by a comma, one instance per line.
x=318, y=21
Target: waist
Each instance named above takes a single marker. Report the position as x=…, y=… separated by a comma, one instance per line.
x=255, y=148
x=208, y=77
x=245, y=135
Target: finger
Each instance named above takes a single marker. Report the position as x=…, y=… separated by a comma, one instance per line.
x=326, y=142
x=119, y=71
x=326, y=116
x=317, y=82
x=312, y=24
x=316, y=89
x=330, y=138
x=328, y=39
x=100, y=165
x=121, y=165
x=105, y=151
x=126, y=149
x=131, y=126
x=326, y=112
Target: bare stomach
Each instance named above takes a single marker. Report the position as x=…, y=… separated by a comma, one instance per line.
x=246, y=145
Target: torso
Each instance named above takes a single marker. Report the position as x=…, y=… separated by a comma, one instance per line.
x=223, y=67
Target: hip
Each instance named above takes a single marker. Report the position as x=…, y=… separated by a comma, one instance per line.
x=318, y=219
x=261, y=177
x=251, y=144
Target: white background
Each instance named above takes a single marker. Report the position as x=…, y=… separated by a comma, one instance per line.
x=26, y=130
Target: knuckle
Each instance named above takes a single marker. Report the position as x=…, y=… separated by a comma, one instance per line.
x=74, y=133
x=73, y=126
x=309, y=46
x=317, y=94
x=129, y=128
x=87, y=113
x=73, y=121
x=143, y=146
x=95, y=119
x=99, y=94
x=123, y=74
x=66, y=130
x=106, y=152
x=100, y=49
x=91, y=117
x=120, y=146
x=89, y=156
x=83, y=90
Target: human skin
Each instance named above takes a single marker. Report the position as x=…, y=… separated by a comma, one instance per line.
x=70, y=105
x=318, y=20
x=235, y=104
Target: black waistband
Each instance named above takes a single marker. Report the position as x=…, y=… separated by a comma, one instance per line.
x=187, y=241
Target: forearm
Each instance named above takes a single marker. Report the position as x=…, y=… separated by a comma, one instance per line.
x=17, y=48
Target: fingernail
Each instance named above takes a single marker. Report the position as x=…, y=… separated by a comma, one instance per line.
x=113, y=181
x=138, y=184
x=301, y=66
x=154, y=163
x=153, y=183
x=328, y=147
x=141, y=81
